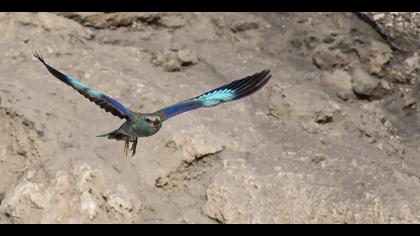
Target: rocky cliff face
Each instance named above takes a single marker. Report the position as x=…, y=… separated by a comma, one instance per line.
x=332, y=138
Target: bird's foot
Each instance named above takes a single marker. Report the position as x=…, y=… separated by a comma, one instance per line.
x=134, y=147
x=126, y=146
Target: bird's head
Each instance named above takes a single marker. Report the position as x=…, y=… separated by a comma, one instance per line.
x=149, y=124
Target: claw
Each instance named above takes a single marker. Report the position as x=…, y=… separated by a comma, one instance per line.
x=134, y=147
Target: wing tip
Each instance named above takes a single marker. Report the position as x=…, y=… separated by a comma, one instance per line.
x=256, y=82
x=39, y=57
x=265, y=76
x=265, y=73
x=261, y=77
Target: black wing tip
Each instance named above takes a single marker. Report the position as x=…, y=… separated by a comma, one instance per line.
x=260, y=78
x=266, y=70
x=39, y=57
x=264, y=74
x=253, y=84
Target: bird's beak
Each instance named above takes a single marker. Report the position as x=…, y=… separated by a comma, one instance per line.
x=156, y=122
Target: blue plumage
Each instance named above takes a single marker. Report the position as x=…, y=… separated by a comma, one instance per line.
x=226, y=93
x=209, y=99
x=180, y=108
x=144, y=125
x=105, y=102
x=213, y=98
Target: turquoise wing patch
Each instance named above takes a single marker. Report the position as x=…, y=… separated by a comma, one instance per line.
x=226, y=93
x=107, y=103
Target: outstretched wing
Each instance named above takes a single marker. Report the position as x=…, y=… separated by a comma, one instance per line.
x=226, y=93
x=102, y=100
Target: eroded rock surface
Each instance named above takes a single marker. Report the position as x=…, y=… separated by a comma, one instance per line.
x=332, y=138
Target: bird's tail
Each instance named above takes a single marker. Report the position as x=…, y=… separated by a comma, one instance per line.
x=116, y=134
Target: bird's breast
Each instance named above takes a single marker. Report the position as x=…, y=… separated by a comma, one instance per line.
x=145, y=130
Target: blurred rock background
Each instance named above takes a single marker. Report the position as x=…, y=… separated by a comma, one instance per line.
x=332, y=138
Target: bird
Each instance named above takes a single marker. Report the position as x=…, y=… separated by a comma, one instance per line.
x=139, y=124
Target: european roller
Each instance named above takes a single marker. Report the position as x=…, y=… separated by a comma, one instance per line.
x=146, y=124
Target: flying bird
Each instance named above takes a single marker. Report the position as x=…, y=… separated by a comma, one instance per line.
x=146, y=124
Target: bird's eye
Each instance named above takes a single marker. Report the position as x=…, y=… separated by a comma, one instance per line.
x=147, y=120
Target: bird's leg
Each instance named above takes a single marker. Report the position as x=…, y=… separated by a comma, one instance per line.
x=134, y=147
x=126, y=145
